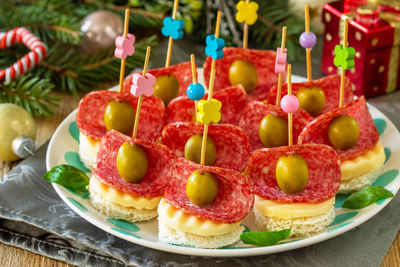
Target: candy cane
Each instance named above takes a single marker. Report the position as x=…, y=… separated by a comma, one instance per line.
x=27, y=62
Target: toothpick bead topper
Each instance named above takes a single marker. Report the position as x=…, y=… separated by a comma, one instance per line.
x=124, y=46
x=308, y=40
x=195, y=91
x=141, y=85
x=344, y=57
x=280, y=61
x=290, y=103
x=208, y=111
x=246, y=13
x=214, y=47
x=173, y=27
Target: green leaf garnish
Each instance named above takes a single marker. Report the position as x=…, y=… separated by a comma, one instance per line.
x=366, y=197
x=68, y=176
x=265, y=238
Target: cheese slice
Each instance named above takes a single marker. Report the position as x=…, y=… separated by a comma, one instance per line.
x=181, y=221
x=367, y=162
x=292, y=210
x=109, y=194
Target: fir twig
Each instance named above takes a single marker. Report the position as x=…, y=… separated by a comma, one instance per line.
x=31, y=93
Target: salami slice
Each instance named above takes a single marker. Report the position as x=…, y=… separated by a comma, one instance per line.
x=262, y=60
x=317, y=130
x=160, y=162
x=182, y=72
x=233, y=100
x=90, y=116
x=231, y=144
x=330, y=85
x=255, y=111
x=232, y=204
x=323, y=173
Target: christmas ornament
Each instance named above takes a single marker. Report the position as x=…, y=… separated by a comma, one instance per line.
x=27, y=62
x=17, y=133
x=101, y=28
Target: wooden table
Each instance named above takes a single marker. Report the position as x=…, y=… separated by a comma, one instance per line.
x=11, y=256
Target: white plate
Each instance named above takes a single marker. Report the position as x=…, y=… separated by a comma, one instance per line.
x=63, y=148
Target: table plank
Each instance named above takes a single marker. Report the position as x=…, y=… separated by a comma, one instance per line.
x=11, y=256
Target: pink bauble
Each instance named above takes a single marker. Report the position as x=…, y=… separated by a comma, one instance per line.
x=290, y=103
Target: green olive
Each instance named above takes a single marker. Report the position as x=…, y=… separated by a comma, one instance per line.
x=244, y=73
x=311, y=99
x=201, y=188
x=193, y=150
x=132, y=162
x=273, y=131
x=291, y=173
x=343, y=132
x=166, y=88
x=119, y=116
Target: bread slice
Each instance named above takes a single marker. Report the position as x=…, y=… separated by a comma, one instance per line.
x=301, y=227
x=117, y=211
x=168, y=234
x=88, y=150
x=359, y=182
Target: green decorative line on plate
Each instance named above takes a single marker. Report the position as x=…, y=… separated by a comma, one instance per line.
x=386, y=178
x=234, y=247
x=246, y=229
x=338, y=227
x=124, y=224
x=380, y=125
x=74, y=131
x=77, y=204
x=72, y=158
x=339, y=199
x=124, y=232
x=343, y=217
x=388, y=152
x=84, y=196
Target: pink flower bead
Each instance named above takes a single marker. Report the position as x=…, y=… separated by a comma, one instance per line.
x=290, y=103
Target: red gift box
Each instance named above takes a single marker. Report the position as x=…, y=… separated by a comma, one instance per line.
x=376, y=41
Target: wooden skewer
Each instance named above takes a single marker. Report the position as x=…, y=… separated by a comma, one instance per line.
x=343, y=76
x=194, y=80
x=290, y=115
x=122, y=69
x=139, y=104
x=308, y=50
x=210, y=93
x=246, y=31
x=278, y=94
x=171, y=41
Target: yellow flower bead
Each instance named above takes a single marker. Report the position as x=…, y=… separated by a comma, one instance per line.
x=247, y=13
x=209, y=111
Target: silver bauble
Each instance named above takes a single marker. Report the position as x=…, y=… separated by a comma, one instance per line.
x=100, y=29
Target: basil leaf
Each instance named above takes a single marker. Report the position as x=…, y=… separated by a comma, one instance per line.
x=264, y=238
x=366, y=197
x=68, y=176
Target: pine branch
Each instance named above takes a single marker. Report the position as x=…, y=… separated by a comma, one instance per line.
x=71, y=71
x=31, y=93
